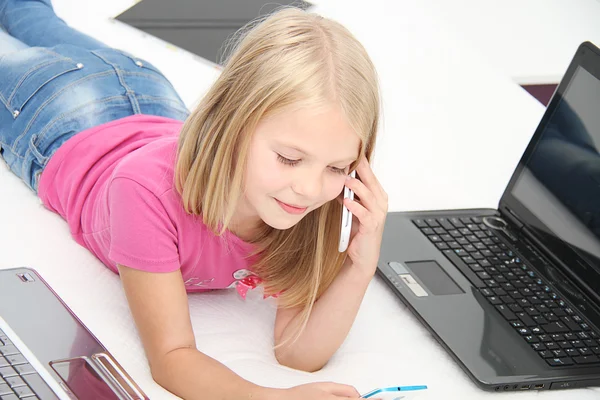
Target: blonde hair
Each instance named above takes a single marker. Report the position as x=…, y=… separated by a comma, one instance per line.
x=291, y=58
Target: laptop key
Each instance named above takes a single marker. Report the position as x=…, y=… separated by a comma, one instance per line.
x=5, y=389
x=506, y=313
x=526, y=319
x=8, y=350
x=24, y=392
x=494, y=300
x=7, y=372
x=570, y=336
x=420, y=223
x=559, y=312
x=559, y=353
x=16, y=359
x=541, y=346
x=3, y=362
x=585, y=327
x=532, y=311
x=25, y=369
x=531, y=339
x=491, y=283
x=38, y=385
x=545, y=354
x=544, y=338
x=534, y=300
x=585, y=351
x=572, y=352
x=514, y=307
x=586, y=359
x=552, y=346
x=16, y=381
x=573, y=326
x=536, y=330
x=577, y=344
x=432, y=222
x=455, y=234
x=9, y=397
x=445, y=223
x=524, y=331
x=555, y=327
x=457, y=223
x=558, y=362
x=441, y=245
x=515, y=294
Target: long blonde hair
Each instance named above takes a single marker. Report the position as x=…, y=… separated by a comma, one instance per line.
x=291, y=58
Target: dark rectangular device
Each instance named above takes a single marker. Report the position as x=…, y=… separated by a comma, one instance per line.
x=513, y=294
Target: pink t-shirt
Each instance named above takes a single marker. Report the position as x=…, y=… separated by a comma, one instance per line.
x=114, y=184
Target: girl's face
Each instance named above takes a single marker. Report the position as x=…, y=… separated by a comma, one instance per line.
x=298, y=161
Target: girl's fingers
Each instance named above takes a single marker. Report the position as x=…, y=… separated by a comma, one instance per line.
x=367, y=175
x=361, y=191
x=358, y=210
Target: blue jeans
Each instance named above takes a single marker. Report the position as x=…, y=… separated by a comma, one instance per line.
x=56, y=82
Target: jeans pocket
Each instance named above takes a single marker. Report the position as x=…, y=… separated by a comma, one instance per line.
x=25, y=72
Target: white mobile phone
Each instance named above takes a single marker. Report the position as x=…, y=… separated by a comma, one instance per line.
x=346, y=219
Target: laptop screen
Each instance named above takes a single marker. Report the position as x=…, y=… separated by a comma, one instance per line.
x=557, y=184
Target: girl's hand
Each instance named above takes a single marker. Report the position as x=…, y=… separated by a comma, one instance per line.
x=368, y=218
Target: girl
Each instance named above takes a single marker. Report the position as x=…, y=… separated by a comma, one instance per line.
x=245, y=191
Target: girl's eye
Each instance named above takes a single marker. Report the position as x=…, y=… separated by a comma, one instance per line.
x=339, y=170
x=287, y=161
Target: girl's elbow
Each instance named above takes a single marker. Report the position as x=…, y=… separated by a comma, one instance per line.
x=302, y=364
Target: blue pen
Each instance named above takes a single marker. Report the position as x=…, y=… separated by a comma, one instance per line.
x=393, y=389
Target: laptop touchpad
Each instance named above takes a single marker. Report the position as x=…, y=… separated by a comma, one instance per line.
x=434, y=277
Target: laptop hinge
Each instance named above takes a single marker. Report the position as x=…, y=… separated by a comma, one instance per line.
x=512, y=218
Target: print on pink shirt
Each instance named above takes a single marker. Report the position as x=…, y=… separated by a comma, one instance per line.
x=246, y=280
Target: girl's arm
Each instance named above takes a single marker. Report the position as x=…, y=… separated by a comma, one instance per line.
x=334, y=312
x=329, y=323
x=158, y=302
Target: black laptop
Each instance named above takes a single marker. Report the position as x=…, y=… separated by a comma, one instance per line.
x=513, y=294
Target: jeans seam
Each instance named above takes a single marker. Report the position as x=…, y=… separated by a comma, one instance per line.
x=32, y=70
x=130, y=93
x=24, y=165
x=50, y=99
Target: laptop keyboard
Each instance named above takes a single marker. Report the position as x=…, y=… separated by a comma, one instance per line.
x=553, y=328
x=18, y=379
